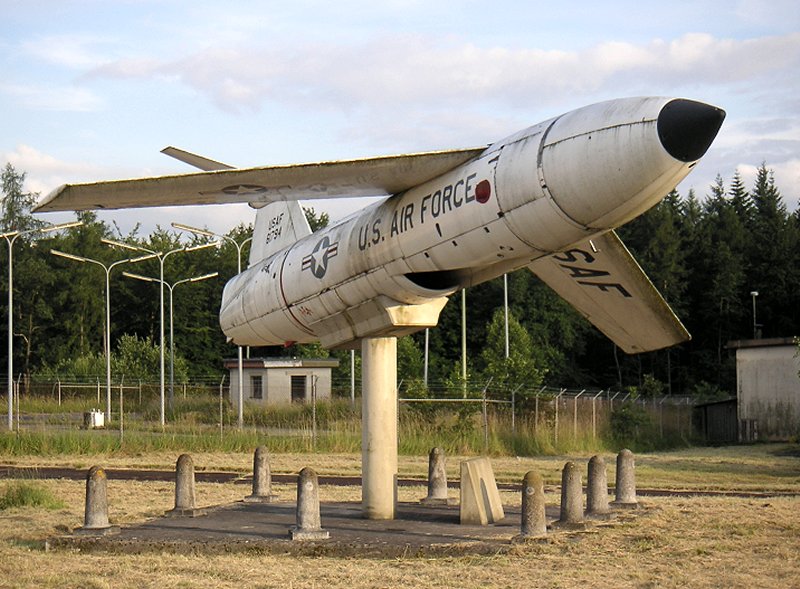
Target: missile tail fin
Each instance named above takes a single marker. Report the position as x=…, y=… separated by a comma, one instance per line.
x=278, y=225
x=602, y=280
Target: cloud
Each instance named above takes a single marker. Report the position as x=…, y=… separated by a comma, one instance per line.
x=787, y=179
x=53, y=98
x=72, y=51
x=44, y=172
x=409, y=70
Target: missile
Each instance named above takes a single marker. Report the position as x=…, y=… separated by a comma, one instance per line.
x=547, y=198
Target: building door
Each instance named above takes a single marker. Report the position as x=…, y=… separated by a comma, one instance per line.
x=298, y=389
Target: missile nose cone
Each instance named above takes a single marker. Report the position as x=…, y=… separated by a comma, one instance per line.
x=686, y=128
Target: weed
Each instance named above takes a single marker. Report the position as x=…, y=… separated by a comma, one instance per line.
x=27, y=494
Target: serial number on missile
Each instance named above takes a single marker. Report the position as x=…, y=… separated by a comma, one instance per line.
x=274, y=228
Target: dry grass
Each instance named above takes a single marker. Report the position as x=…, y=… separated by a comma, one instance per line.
x=772, y=467
x=699, y=542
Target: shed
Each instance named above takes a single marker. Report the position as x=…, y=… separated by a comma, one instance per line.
x=271, y=381
x=717, y=421
x=767, y=388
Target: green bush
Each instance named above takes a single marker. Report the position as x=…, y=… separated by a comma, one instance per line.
x=628, y=421
x=27, y=494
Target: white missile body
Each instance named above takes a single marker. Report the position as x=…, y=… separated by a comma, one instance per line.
x=543, y=190
x=547, y=198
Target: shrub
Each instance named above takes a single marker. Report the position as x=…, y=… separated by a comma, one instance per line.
x=627, y=422
x=26, y=494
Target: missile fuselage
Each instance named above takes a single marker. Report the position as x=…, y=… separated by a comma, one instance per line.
x=532, y=194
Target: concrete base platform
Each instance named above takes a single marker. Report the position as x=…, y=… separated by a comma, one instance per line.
x=188, y=512
x=261, y=498
x=109, y=531
x=264, y=528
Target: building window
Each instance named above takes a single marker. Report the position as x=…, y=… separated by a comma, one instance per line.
x=298, y=389
x=256, y=387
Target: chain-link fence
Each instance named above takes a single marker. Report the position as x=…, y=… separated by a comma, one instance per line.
x=554, y=416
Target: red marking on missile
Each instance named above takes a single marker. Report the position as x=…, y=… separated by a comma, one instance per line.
x=483, y=191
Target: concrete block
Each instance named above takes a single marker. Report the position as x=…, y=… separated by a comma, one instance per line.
x=480, y=499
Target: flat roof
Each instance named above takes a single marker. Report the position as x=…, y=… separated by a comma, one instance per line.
x=281, y=362
x=738, y=344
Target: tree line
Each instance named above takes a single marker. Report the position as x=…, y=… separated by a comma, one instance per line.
x=706, y=256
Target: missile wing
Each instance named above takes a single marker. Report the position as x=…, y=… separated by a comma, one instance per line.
x=602, y=280
x=377, y=176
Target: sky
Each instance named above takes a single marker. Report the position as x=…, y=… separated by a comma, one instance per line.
x=94, y=89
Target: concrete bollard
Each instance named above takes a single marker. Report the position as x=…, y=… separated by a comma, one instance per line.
x=95, y=520
x=571, y=496
x=597, y=488
x=308, y=525
x=534, y=520
x=184, y=489
x=262, y=478
x=626, y=481
x=437, y=479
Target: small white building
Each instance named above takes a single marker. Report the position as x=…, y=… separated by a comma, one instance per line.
x=768, y=388
x=270, y=381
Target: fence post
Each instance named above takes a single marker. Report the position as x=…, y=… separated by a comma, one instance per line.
x=221, y=383
x=140, y=392
x=514, y=410
x=536, y=407
x=120, y=413
x=98, y=392
x=594, y=415
x=611, y=402
x=661, y=416
x=17, y=391
x=121, y=383
x=555, y=429
x=314, y=412
x=575, y=414
x=485, y=417
x=58, y=393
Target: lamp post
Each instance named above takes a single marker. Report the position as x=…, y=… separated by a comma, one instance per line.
x=754, y=294
x=239, y=246
x=10, y=238
x=171, y=288
x=162, y=257
x=107, y=269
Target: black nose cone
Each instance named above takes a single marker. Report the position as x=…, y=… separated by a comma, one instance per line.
x=687, y=128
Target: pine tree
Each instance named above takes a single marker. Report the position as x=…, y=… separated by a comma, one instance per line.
x=772, y=255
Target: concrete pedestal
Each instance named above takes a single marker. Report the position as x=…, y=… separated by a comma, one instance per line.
x=379, y=427
x=95, y=522
x=262, y=478
x=626, y=481
x=437, y=479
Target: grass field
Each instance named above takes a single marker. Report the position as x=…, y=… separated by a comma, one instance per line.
x=678, y=542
